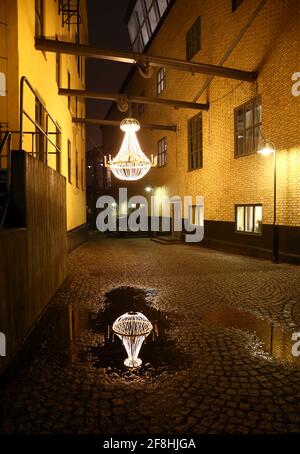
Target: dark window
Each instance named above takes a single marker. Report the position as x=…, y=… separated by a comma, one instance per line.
x=69, y=162
x=143, y=21
x=193, y=39
x=76, y=106
x=236, y=4
x=40, y=143
x=162, y=152
x=248, y=120
x=161, y=80
x=69, y=86
x=77, y=170
x=57, y=67
x=82, y=182
x=39, y=18
x=248, y=218
x=195, y=142
x=58, y=149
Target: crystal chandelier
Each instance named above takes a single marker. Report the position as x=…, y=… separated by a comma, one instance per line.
x=130, y=163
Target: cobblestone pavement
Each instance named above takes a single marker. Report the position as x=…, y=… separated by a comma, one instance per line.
x=230, y=383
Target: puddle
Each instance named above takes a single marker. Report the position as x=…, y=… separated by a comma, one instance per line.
x=276, y=341
x=72, y=335
x=159, y=354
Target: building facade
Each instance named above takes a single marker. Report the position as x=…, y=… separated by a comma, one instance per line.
x=56, y=140
x=214, y=152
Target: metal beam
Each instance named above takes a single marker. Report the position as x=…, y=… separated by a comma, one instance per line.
x=96, y=121
x=144, y=60
x=133, y=99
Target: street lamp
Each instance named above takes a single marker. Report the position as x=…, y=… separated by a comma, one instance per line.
x=266, y=147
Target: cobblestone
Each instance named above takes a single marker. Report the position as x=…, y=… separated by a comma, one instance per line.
x=230, y=384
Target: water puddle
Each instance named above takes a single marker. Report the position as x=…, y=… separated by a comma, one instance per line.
x=276, y=340
x=92, y=342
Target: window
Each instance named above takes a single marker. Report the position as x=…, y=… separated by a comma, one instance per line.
x=57, y=56
x=143, y=21
x=40, y=143
x=162, y=152
x=248, y=218
x=76, y=170
x=58, y=149
x=193, y=39
x=195, y=142
x=69, y=162
x=236, y=4
x=82, y=181
x=39, y=18
x=248, y=120
x=69, y=86
x=161, y=80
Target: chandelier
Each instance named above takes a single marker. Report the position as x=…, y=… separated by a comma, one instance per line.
x=130, y=163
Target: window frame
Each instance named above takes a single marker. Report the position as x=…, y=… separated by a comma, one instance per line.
x=192, y=134
x=39, y=8
x=253, y=127
x=162, y=147
x=245, y=205
x=191, y=51
x=69, y=162
x=161, y=80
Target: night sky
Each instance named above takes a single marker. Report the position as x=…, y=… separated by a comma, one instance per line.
x=107, y=30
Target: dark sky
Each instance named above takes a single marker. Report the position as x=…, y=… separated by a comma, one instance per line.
x=107, y=30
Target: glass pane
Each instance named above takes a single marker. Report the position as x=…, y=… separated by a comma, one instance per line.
x=132, y=28
x=257, y=136
x=145, y=34
x=240, y=219
x=249, y=219
x=249, y=116
x=152, y=19
x=162, y=5
x=249, y=141
x=257, y=112
x=258, y=219
x=139, y=11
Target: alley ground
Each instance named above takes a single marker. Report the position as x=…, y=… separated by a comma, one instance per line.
x=225, y=366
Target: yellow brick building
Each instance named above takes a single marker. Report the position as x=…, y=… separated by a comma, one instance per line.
x=20, y=22
x=251, y=35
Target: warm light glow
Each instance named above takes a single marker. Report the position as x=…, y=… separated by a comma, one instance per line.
x=132, y=328
x=148, y=188
x=265, y=147
x=130, y=163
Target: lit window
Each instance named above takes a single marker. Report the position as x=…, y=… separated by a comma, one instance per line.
x=248, y=121
x=195, y=142
x=248, y=218
x=193, y=39
x=162, y=152
x=161, y=80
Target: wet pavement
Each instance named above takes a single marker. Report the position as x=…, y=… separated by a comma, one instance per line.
x=220, y=361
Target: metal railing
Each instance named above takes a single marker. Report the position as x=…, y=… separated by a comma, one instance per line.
x=39, y=129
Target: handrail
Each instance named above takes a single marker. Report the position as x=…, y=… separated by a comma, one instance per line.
x=24, y=81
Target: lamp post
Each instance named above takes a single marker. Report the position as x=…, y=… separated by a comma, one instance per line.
x=266, y=148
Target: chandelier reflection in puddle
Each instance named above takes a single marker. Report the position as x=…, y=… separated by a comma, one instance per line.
x=130, y=163
x=132, y=328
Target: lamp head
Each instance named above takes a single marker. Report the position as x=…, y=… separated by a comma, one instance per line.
x=266, y=147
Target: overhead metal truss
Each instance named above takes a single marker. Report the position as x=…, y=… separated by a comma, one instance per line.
x=124, y=100
x=99, y=122
x=142, y=60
